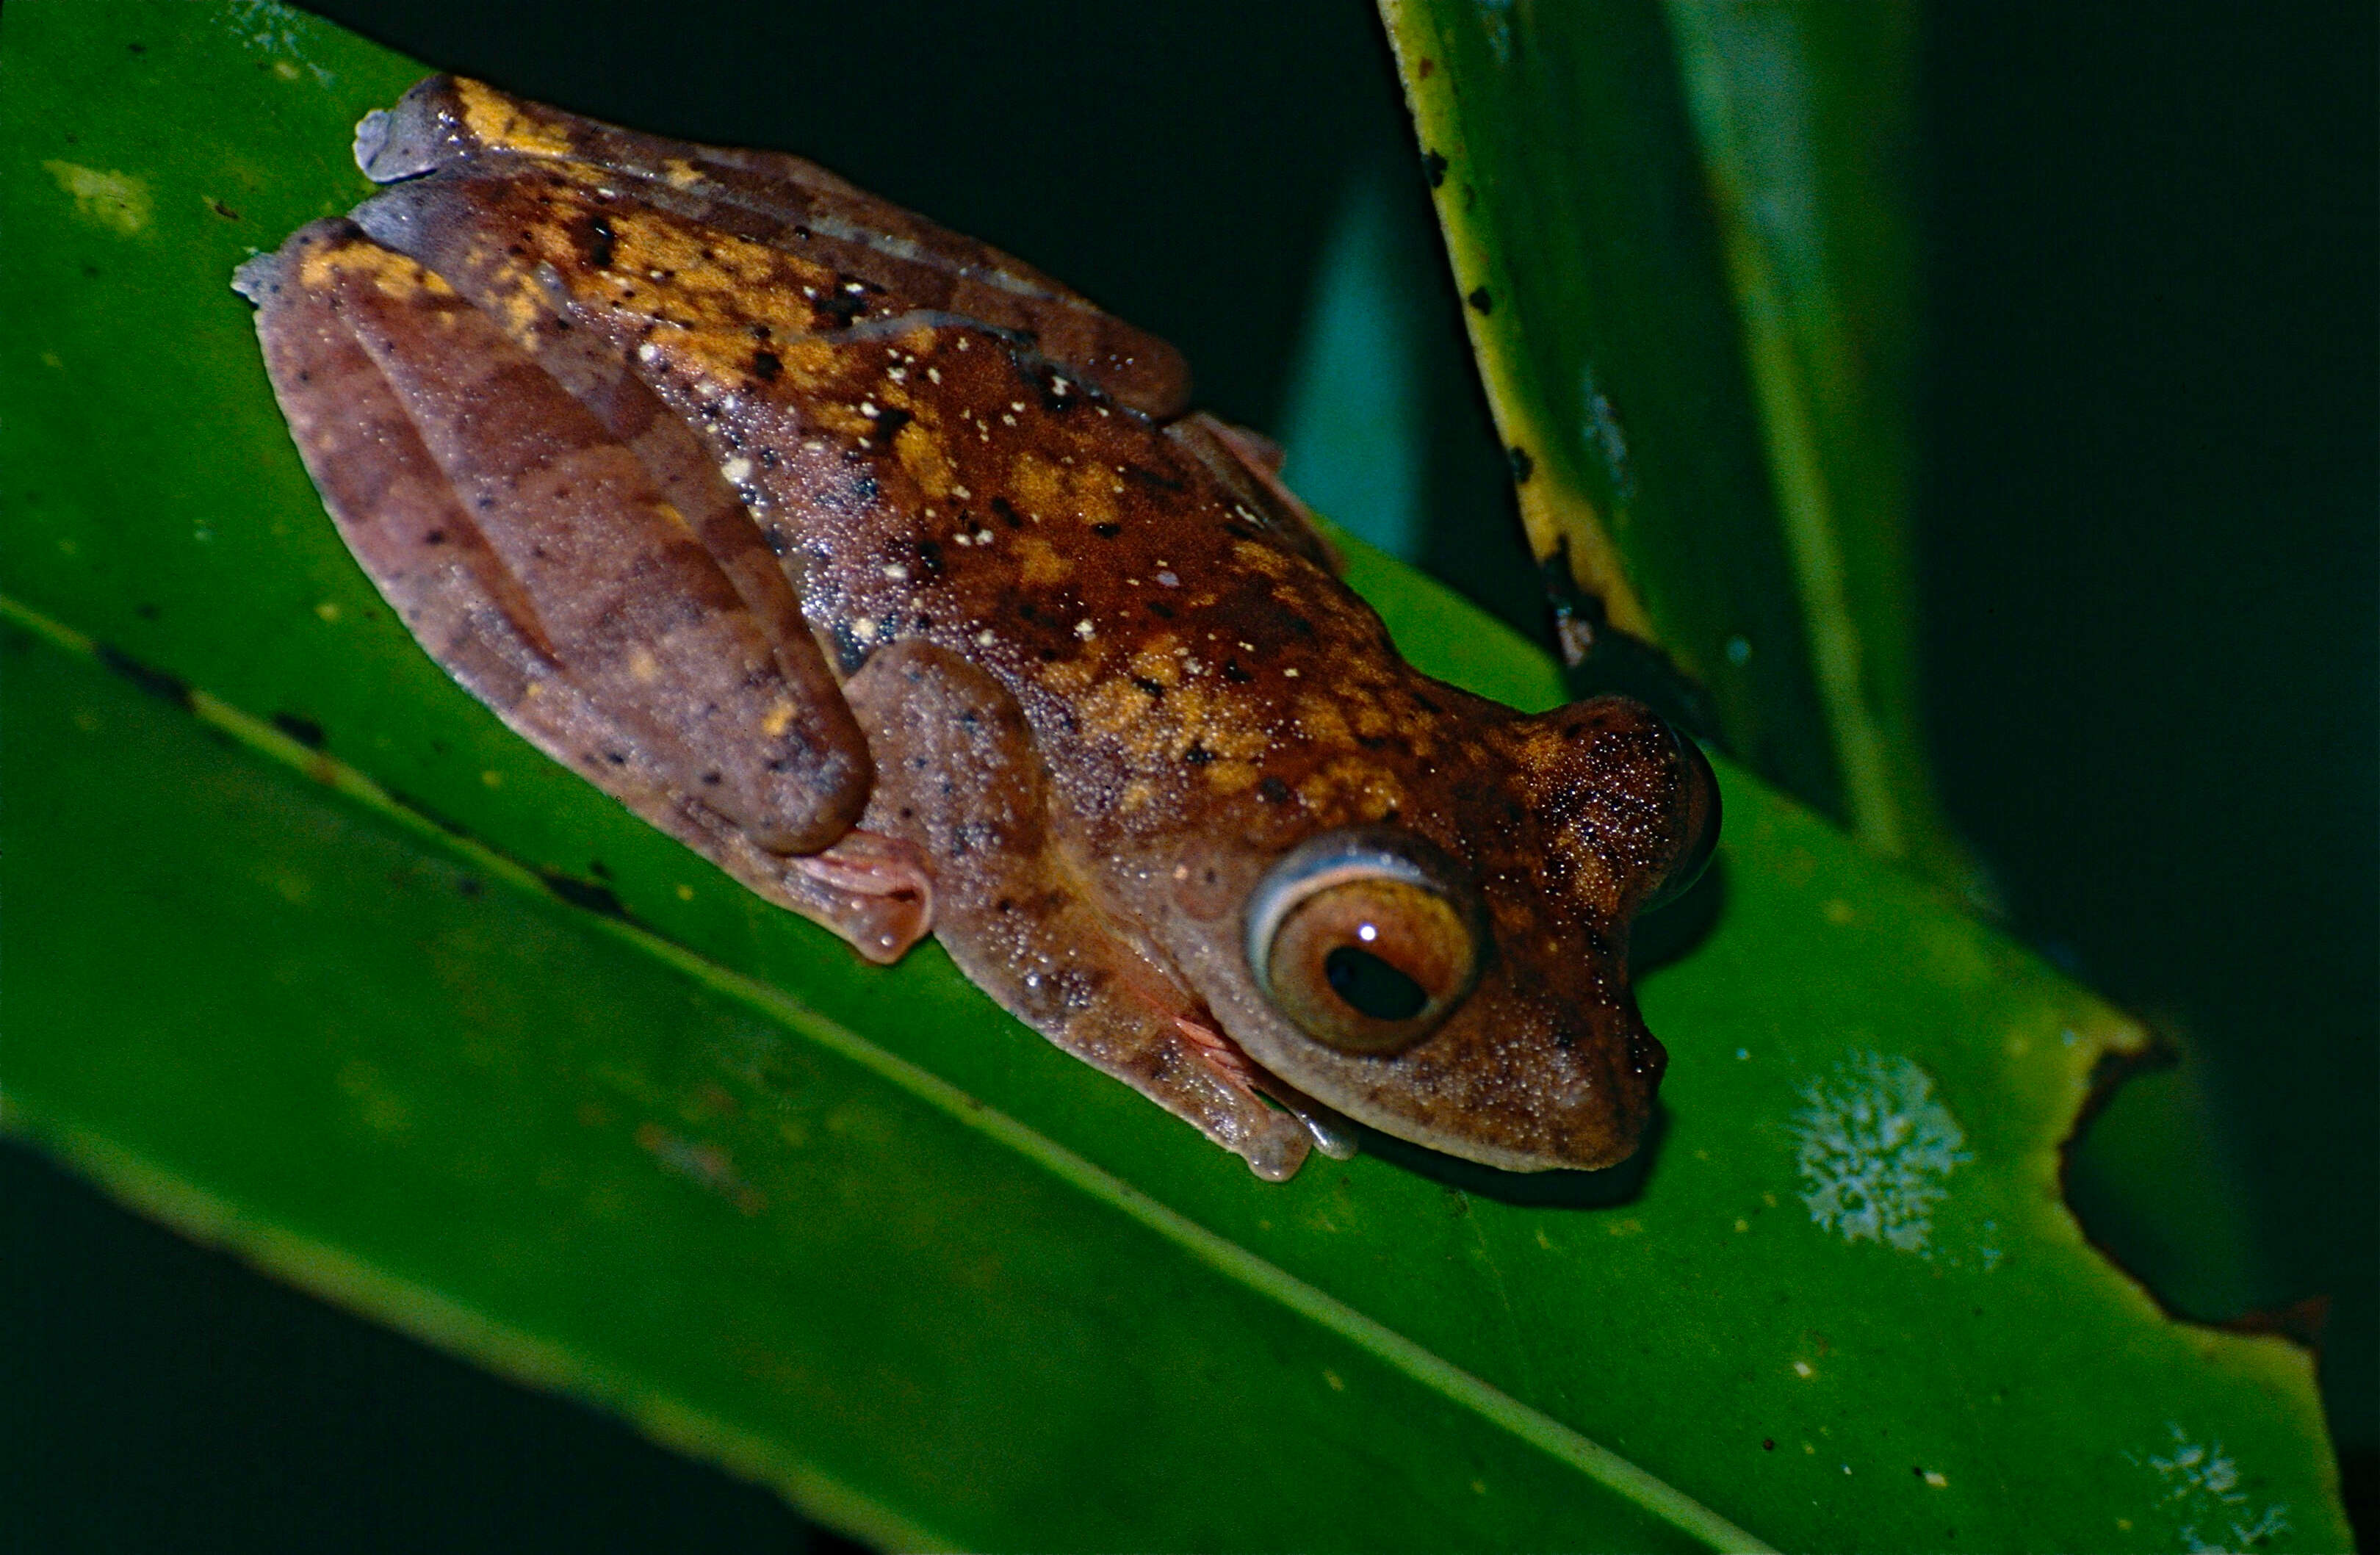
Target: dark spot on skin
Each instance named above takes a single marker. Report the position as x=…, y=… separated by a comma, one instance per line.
x=1048, y=655
x=1433, y=166
x=600, y=869
x=583, y=893
x=1151, y=477
x=220, y=209
x=769, y=459
x=468, y=886
x=137, y=48
x=929, y=557
x=1003, y=906
x=1197, y=754
x=766, y=366
x=1482, y=300
x=1107, y=531
x=1153, y=688
x=305, y=731
x=1007, y=512
x=761, y=332
x=1236, y=675
x=841, y=307
x=712, y=780
x=1427, y=66
x=1159, y=609
x=146, y=612
x=1272, y=790
x=889, y=421
x=157, y=683
x=1238, y=531
x=1522, y=466
x=435, y=537
x=601, y=242
x=617, y=758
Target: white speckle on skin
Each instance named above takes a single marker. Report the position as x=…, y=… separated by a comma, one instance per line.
x=898, y=374
x=986, y=638
x=895, y=571
x=1169, y=581
x=737, y=471
x=1017, y=406
x=1006, y=419
x=863, y=629
x=935, y=373
x=961, y=492
x=855, y=288
x=1876, y=1151
x=1290, y=672
x=867, y=408
x=648, y=352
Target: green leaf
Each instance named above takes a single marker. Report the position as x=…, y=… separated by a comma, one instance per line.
x=305, y=954
x=1681, y=229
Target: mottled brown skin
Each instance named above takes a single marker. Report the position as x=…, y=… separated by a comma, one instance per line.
x=1044, y=665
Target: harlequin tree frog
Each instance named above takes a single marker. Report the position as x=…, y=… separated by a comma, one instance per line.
x=895, y=578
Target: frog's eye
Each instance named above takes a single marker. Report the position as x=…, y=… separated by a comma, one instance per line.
x=1365, y=938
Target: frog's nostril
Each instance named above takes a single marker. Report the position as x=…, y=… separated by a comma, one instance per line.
x=1695, y=805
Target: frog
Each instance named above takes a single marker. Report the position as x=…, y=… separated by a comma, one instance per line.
x=903, y=583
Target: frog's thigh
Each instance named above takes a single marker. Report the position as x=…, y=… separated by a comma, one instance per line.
x=958, y=777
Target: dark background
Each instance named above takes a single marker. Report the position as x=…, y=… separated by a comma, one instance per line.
x=2148, y=541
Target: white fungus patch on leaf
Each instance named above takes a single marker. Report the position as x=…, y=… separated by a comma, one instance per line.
x=2202, y=1494
x=1875, y=1150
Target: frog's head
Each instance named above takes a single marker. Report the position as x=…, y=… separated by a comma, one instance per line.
x=1468, y=990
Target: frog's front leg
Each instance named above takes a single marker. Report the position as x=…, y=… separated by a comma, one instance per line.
x=958, y=778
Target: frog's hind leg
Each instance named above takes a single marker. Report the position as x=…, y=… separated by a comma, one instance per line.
x=958, y=777
x=540, y=558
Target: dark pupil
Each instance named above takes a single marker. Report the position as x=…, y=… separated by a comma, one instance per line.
x=1371, y=986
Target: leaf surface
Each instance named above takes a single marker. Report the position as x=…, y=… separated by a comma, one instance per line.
x=308, y=954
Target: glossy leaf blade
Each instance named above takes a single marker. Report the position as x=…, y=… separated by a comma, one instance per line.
x=850, y=1229
x=1681, y=234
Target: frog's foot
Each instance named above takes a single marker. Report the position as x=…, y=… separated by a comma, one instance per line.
x=872, y=890
x=958, y=778
x=1331, y=1133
